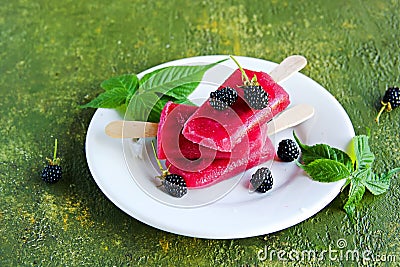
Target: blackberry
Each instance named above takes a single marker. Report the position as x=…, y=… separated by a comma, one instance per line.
x=52, y=173
x=390, y=101
x=287, y=150
x=255, y=96
x=223, y=98
x=175, y=185
x=262, y=180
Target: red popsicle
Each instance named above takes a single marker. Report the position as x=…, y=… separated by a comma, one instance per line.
x=171, y=144
x=222, y=130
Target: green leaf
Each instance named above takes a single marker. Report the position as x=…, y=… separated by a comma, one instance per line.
x=112, y=98
x=140, y=107
x=326, y=170
x=185, y=101
x=144, y=99
x=356, y=193
x=173, y=77
x=379, y=184
x=157, y=108
x=149, y=75
x=348, y=181
x=364, y=156
x=118, y=91
x=129, y=82
x=323, y=151
x=182, y=91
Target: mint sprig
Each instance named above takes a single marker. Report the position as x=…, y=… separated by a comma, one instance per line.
x=324, y=163
x=143, y=99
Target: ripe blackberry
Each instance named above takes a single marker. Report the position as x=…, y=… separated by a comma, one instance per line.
x=262, y=180
x=287, y=150
x=52, y=172
x=390, y=101
x=223, y=98
x=255, y=96
x=175, y=185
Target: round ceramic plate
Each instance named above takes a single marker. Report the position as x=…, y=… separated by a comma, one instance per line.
x=116, y=167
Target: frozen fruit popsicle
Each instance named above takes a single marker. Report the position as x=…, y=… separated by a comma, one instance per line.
x=221, y=169
x=219, y=130
x=171, y=144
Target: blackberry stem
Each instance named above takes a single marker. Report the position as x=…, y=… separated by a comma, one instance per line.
x=380, y=112
x=244, y=75
x=164, y=172
x=155, y=154
x=55, y=151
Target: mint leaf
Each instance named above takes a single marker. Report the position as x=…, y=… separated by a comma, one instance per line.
x=322, y=151
x=364, y=156
x=327, y=164
x=356, y=193
x=127, y=81
x=151, y=92
x=170, y=78
x=183, y=90
x=379, y=184
x=112, y=98
x=140, y=107
x=185, y=101
x=118, y=91
x=326, y=170
x=149, y=75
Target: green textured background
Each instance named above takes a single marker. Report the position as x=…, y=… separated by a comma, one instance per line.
x=53, y=56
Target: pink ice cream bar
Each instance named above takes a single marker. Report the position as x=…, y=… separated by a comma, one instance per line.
x=223, y=130
x=221, y=169
x=171, y=144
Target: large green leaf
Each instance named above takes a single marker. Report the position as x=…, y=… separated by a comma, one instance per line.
x=129, y=82
x=323, y=151
x=169, y=78
x=149, y=75
x=379, y=184
x=326, y=170
x=140, y=107
x=356, y=193
x=364, y=156
x=112, y=98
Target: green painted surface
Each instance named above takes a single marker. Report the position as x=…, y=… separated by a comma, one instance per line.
x=53, y=56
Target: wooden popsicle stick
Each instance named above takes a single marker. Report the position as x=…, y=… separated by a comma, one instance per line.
x=288, y=67
x=131, y=129
x=137, y=129
x=289, y=118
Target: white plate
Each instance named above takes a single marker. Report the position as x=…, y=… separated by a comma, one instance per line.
x=239, y=214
